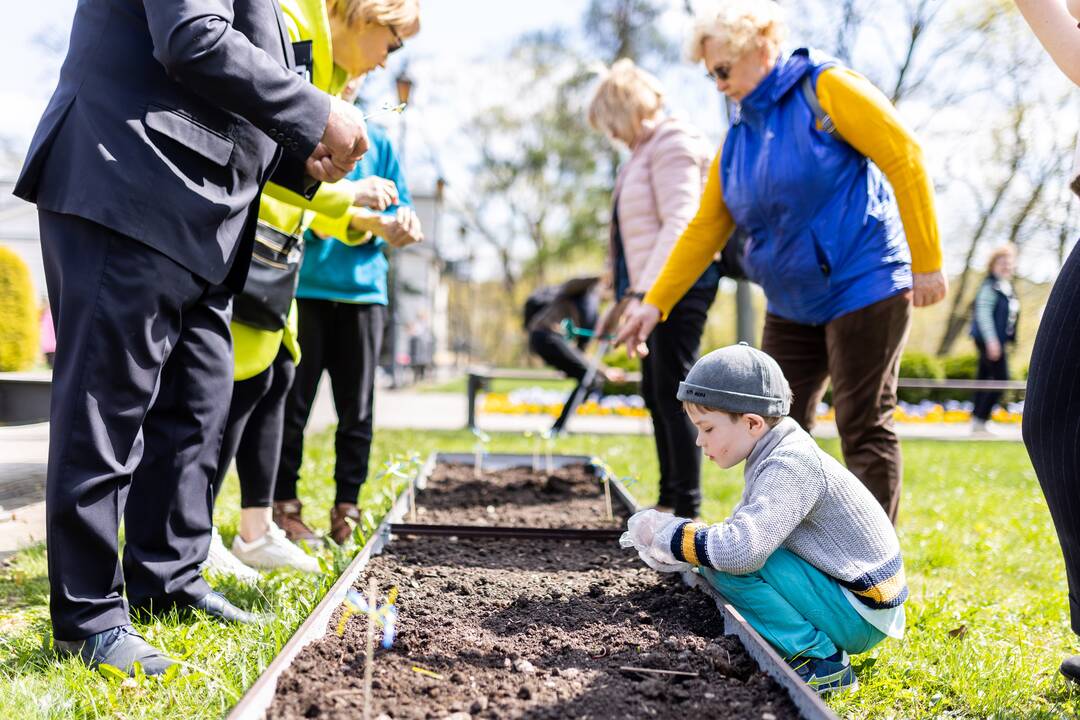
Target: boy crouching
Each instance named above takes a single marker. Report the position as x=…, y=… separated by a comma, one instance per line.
x=808, y=556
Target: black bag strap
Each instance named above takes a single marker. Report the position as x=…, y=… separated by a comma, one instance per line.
x=810, y=95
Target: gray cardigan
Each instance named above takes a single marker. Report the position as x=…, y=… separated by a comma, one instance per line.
x=799, y=497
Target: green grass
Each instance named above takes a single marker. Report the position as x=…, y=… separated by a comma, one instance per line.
x=987, y=619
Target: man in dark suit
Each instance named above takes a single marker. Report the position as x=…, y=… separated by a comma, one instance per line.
x=146, y=167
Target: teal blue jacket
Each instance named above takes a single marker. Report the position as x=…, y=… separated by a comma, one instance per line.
x=335, y=271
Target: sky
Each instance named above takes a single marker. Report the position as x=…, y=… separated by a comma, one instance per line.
x=454, y=31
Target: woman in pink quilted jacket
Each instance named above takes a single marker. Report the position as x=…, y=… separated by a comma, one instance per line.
x=656, y=194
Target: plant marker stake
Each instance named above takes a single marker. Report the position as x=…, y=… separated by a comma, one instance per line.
x=412, y=501
x=373, y=600
x=535, y=450
x=478, y=460
x=548, y=442
x=607, y=497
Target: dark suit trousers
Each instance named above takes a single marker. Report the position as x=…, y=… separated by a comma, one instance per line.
x=860, y=353
x=673, y=349
x=253, y=431
x=1052, y=418
x=143, y=362
x=345, y=340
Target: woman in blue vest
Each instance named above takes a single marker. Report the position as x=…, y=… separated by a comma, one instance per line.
x=993, y=326
x=830, y=185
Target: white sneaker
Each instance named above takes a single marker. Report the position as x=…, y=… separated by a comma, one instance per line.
x=273, y=550
x=219, y=560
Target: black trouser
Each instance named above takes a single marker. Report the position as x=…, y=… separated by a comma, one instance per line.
x=989, y=370
x=557, y=352
x=1052, y=417
x=345, y=340
x=253, y=431
x=673, y=349
x=143, y=361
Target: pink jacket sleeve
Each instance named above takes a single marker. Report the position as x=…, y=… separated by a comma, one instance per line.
x=678, y=165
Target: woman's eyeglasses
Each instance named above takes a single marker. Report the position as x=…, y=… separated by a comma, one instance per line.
x=719, y=72
x=398, y=42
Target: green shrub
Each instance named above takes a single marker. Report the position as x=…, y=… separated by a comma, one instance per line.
x=915, y=364
x=959, y=367
x=18, y=314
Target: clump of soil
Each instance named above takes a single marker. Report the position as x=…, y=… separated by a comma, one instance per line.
x=531, y=630
x=515, y=497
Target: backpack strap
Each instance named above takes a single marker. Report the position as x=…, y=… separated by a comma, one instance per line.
x=810, y=95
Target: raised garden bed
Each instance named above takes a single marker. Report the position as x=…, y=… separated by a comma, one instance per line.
x=513, y=627
x=516, y=496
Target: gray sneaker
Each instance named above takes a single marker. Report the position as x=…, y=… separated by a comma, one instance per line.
x=121, y=647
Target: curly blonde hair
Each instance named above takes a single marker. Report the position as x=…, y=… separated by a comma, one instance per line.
x=1008, y=250
x=626, y=97
x=402, y=15
x=740, y=26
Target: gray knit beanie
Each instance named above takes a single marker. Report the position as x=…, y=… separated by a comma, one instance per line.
x=738, y=379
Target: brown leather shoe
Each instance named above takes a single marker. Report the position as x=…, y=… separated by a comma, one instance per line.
x=343, y=518
x=287, y=517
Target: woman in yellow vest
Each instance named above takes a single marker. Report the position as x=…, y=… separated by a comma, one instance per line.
x=333, y=40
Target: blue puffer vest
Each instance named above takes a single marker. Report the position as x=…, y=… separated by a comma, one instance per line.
x=826, y=237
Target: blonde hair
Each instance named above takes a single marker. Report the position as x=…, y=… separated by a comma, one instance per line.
x=402, y=15
x=740, y=26
x=1008, y=250
x=625, y=98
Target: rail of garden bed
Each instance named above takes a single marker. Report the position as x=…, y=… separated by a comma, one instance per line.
x=254, y=703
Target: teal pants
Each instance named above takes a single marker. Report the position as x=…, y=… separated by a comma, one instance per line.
x=799, y=610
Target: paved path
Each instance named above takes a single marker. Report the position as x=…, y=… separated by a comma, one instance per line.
x=23, y=450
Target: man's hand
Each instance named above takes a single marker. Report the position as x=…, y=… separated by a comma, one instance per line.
x=636, y=328
x=375, y=192
x=344, y=141
x=929, y=288
x=401, y=229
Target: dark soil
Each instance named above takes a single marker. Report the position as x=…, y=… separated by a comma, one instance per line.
x=570, y=497
x=530, y=629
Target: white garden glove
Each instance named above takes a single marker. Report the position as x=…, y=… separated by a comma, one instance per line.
x=644, y=533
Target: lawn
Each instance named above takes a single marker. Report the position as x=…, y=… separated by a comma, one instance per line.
x=987, y=619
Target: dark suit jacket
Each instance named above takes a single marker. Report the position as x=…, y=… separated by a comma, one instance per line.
x=168, y=118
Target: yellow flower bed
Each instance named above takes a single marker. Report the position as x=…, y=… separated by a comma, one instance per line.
x=500, y=404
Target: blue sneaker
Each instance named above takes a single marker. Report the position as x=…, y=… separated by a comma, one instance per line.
x=826, y=675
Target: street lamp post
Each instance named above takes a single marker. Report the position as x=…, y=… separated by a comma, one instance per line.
x=404, y=89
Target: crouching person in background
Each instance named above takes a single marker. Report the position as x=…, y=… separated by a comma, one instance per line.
x=808, y=556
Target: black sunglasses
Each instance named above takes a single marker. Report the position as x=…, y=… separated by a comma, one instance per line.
x=398, y=42
x=720, y=72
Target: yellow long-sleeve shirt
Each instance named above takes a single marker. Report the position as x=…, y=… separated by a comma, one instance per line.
x=869, y=123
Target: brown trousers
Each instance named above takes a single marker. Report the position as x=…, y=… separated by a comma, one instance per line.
x=860, y=353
